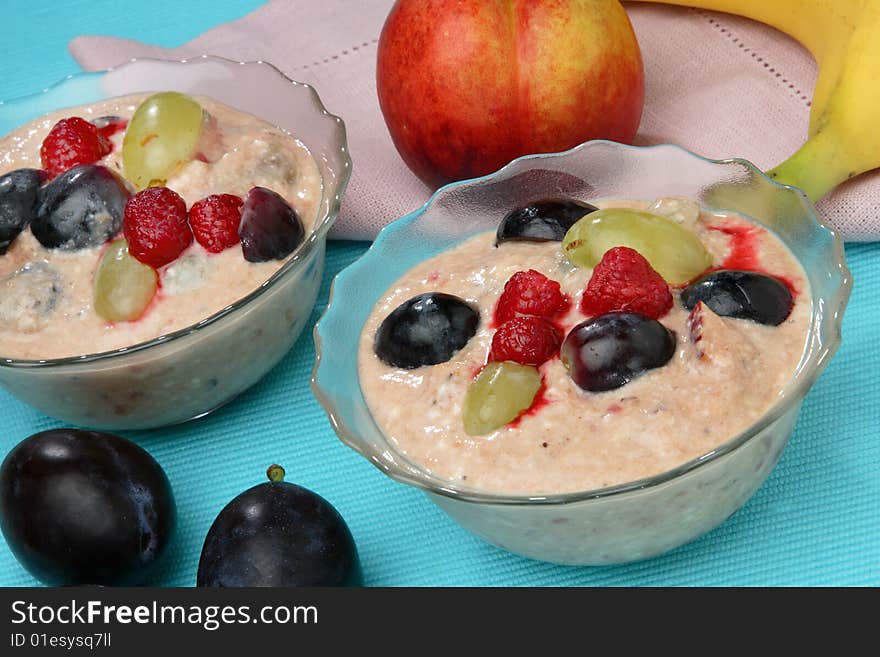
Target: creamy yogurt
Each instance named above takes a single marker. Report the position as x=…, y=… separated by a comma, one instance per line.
x=244, y=152
x=711, y=390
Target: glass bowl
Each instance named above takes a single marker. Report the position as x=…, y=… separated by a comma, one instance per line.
x=620, y=523
x=190, y=372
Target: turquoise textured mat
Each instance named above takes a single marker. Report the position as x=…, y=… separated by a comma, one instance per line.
x=816, y=521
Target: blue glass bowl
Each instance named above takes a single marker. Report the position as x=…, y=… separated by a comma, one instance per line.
x=620, y=523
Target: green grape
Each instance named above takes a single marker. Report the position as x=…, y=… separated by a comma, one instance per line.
x=498, y=395
x=162, y=135
x=676, y=253
x=124, y=286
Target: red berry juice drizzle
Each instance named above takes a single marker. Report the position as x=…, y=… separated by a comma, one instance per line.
x=539, y=402
x=743, y=247
x=744, y=252
x=111, y=129
x=557, y=319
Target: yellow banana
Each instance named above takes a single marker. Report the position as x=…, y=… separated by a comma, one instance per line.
x=845, y=141
x=844, y=38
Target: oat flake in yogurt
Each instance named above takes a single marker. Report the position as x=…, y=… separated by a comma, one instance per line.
x=49, y=305
x=585, y=367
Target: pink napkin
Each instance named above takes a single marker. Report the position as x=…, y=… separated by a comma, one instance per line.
x=719, y=85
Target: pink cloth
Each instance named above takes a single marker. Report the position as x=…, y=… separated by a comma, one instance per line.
x=719, y=85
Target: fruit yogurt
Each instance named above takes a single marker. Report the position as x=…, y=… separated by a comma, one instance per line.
x=125, y=226
x=48, y=295
x=692, y=365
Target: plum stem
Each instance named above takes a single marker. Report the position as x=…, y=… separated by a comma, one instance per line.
x=275, y=473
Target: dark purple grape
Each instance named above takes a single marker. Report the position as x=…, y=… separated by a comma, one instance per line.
x=82, y=507
x=542, y=221
x=425, y=330
x=18, y=200
x=613, y=349
x=270, y=229
x=278, y=534
x=741, y=294
x=81, y=208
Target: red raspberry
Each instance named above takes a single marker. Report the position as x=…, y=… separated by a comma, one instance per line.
x=624, y=280
x=525, y=340
x=214, y=221
x=529, y=293
x=72, y=142
x=155, y=226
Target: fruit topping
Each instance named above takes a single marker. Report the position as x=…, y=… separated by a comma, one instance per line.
x=156, y=226
x=277, y=534
x=163, y=134
x=214, y=221
x=543, y=221
x=681, y=209
x=124, y=286
x=717, y=341
x=525, y=340
x=499, y=395
x=82, y=507
x=675, y=252
x=71, y=142
x=18, y=200
x=623, y=280
x=529, y=293
x=741, y=294
x=270, y=229
x=613, y=349
x=425, y=330
x=29, y=297
x=80, y=208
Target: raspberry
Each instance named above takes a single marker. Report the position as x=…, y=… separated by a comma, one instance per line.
x=529, y=293
x=525, y=340
x=623, y=280
x=214, y=221
x=71, y=142
x=155, y=226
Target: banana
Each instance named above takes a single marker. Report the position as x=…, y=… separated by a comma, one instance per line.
x=844, y=38
x=845, y=141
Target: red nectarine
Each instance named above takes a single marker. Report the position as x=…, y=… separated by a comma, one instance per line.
x=468, y=85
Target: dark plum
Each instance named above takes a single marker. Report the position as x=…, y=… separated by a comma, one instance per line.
x=542, y=221
x=270, y=229
x=80, y=208
x=278, y=534
x=425, y=330
x=18, y=200
x=613, y=349
x=82, y=507
x=741, y=294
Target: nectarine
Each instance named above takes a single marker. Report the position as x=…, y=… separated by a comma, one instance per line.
x=468, y=85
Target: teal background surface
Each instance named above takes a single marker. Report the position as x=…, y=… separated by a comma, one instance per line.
x=816, y=521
